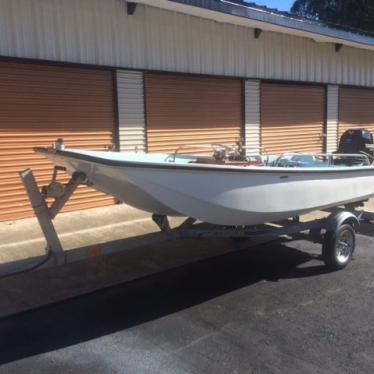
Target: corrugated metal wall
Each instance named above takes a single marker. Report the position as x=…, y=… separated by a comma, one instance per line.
x=356, y=109
x=192, y=111
x=292, y=118
x=252, y=115
x=130, y=95
x=39, y=104
x=332, y=118
x=101, y=32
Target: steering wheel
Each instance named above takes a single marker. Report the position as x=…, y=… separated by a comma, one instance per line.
x=222, y=151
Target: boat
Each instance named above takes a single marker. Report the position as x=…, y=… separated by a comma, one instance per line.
x=228, y=188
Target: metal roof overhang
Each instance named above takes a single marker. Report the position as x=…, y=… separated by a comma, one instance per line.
x=247, y=16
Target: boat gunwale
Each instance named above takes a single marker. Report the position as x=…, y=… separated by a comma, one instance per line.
x=194, y=166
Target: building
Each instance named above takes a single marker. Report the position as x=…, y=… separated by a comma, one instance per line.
x=154, y=74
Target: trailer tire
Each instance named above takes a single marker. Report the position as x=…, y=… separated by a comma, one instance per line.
x=338, y=246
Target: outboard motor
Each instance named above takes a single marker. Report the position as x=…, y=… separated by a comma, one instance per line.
x=357, y=141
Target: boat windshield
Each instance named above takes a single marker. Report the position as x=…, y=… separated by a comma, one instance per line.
x=245, y=156
x=320, y=160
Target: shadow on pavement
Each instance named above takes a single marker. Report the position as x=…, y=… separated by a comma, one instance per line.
x=129, y=304
x=366, y=229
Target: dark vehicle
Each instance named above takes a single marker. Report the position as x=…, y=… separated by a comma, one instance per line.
x=357, y=141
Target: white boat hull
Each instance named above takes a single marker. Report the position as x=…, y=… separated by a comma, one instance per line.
x=221, y=195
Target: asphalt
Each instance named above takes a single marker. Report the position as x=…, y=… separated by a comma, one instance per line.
x=272, y=308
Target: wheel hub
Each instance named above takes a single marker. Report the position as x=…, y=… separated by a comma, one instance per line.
x=344, y=246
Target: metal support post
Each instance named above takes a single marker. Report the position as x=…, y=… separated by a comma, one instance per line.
x=187, y=223
x=43, y=215
x=161, y=221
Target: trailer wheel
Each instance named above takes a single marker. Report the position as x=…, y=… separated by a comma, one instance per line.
x=338, y=246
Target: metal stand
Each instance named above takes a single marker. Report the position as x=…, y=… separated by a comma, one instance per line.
x=45, y=214
x=161, y=221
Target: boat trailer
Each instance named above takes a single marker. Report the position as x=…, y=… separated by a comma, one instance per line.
x=336, y=232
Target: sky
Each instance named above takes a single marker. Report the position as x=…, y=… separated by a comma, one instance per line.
x=279, y=4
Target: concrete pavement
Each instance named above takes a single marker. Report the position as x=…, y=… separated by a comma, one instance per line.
x=23, y=238
x=83, y=234
x=136, y=249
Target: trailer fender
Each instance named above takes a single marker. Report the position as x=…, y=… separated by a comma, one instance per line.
x=335, y=220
